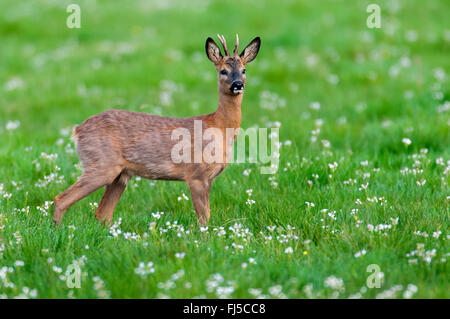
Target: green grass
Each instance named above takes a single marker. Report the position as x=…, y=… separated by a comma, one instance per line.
x=128, y=52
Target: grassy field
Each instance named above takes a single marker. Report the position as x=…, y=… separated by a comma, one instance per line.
x=364, y=162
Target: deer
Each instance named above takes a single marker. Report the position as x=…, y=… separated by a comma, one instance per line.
x=115, y=145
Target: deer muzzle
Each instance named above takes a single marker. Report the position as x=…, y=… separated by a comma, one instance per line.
x=237, y=87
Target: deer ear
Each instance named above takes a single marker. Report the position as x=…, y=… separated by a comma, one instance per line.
x=213, y=51
x=251, y=51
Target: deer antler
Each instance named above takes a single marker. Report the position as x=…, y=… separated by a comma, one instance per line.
x=224, y=44
x=236, y=46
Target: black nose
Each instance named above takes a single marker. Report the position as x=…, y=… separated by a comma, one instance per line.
x=237, y=85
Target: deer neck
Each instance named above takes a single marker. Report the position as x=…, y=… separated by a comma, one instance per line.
x=228, y=114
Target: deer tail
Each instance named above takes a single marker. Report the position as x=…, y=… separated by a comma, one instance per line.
x=75, y=132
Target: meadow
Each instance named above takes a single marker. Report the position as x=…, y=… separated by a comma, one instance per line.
x=359, y=205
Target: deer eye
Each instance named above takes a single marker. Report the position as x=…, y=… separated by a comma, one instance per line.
x=243, y=71
x=223, y=72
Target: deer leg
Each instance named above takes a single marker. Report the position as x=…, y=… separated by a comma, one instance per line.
x=89, y=182
x=200, y=199
x=111, y=197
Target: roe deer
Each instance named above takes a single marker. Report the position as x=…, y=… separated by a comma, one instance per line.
x=115, y=145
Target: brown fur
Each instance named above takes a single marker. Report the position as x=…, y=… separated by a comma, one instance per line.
x=116, y=145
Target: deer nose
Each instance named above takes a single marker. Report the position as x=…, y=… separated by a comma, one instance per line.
x=237, y=86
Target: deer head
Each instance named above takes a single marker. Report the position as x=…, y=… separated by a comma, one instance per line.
x=231, y=69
